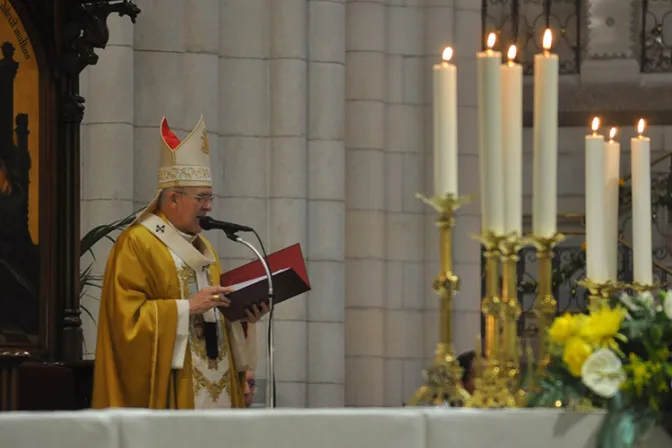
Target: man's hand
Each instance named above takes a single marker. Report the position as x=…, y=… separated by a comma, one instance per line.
x=254, y=314
x=208, y=298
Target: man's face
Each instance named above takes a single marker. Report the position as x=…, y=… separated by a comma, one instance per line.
x=188, y=205
x=250, y=387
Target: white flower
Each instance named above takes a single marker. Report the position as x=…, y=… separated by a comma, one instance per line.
x=667, y=304
x=627, y=301
x=647, y=300
x=603, y=373
x=636, y=303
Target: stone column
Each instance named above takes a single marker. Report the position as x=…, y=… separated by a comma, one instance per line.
x=326, y=203
x=404, y=177
x=159, y=87
x=288, y=184
x=244, y=130
x=200, y=86
x=107, y=153
x=365, y=203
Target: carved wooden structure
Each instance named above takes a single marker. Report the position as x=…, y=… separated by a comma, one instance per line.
x=46, y=348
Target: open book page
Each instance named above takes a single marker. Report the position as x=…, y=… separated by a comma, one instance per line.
x=246, y=283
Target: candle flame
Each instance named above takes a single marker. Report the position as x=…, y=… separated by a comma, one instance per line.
x=596, y=124
x=512, y=53
x=640, y=126
x=612, y=133
x=492, y=38
x=547, y=40
x=447, y=54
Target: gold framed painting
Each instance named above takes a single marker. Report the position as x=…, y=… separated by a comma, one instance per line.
x=23, y=128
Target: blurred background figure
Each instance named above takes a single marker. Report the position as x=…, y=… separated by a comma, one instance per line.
x=250, y=388
x=466, y=361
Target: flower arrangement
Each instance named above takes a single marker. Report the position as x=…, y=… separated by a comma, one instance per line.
x=617, y=358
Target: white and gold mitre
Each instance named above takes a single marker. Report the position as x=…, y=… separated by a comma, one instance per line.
x=184, y=163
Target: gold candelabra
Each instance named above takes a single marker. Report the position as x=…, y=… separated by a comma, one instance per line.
x=497, y=376
x=443, y=379
x=511, y=347
x=598, y=292
x=641, y=288
x=545, y=305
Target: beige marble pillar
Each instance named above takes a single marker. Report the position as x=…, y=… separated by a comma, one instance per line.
x=106, y=153
x=326, y=203
x=365, y=203
x=158, y=59
x=244, y=120
x=200, y=87
x=288, y=184
x=404, y=159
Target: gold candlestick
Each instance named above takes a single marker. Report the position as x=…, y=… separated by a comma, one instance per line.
x=443, y=379
x=641, y=288
x=492, y=386
x=545, y=306
x=511, y=350
x=598, y=293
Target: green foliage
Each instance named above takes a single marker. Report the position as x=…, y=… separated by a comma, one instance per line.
x=633, y=383
x=102, y=232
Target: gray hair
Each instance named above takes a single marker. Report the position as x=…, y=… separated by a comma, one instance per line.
x=163, y=196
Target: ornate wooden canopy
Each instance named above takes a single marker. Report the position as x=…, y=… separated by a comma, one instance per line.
x=44, y=46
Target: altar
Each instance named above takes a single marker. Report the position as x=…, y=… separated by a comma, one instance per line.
x=326, y=428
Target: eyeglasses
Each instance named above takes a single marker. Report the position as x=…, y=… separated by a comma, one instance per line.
x=252, y=384
x=201, y=198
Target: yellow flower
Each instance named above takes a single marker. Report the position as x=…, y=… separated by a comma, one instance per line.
x=575, y=354
x=640, y=374
x=601, y=328
x=564, y=327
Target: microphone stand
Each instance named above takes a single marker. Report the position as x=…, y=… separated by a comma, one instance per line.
x=271, y=296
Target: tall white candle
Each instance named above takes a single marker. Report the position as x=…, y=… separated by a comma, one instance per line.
x=545, y=173
x=641, y=206
x=490, y=138
x=596, y=268
x=612, y=155
x=512, y=142
x=445, y=126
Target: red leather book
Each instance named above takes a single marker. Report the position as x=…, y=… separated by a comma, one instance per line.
x=290, y=279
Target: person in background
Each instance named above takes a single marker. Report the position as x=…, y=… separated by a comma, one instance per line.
x=250, y=388
x=466, y=361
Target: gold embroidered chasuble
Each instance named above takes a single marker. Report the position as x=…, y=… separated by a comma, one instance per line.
x=138, y=333
x=212, y=377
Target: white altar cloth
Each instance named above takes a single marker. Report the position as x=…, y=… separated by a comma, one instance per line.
x=307, y=428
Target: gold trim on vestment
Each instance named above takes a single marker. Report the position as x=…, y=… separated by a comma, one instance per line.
x=214, y=389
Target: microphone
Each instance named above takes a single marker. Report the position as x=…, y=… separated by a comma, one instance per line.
x=208, y=223
x=230, y=229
